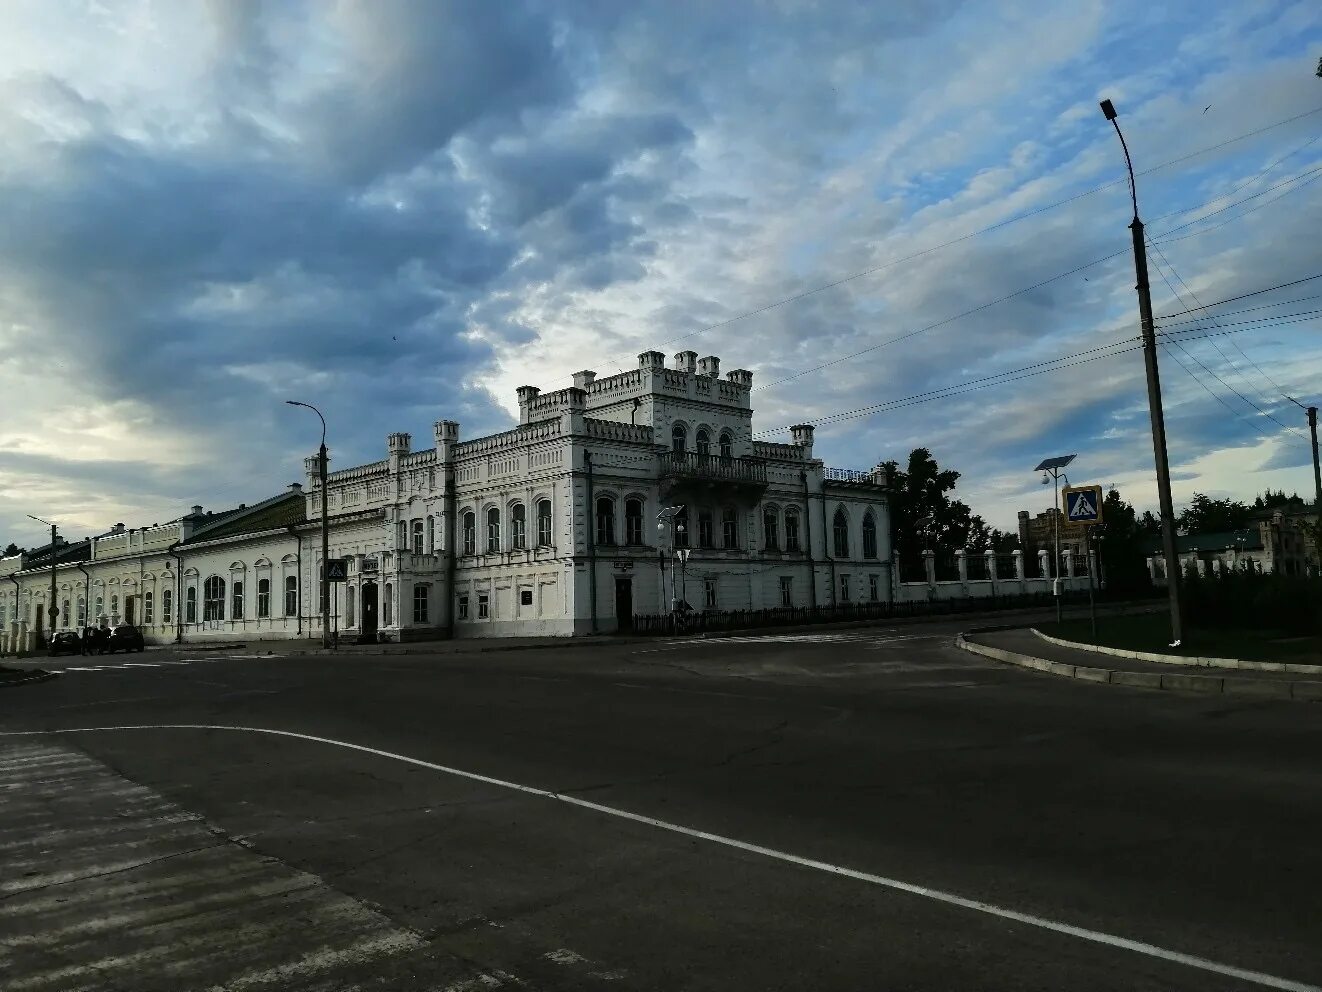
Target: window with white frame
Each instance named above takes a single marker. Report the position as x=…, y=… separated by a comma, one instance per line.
x=493, y=530
x=874, y=589
x=844, y=588
x=771, y=529
x=729, y=528
x=263, y=598
x=236, y=601
x=100, y=607
x=518, y=526
x=463, y=608
x=148, y=608
x=114, y=606
x=544, y=523
x=679, y=438
x=64, y=614
x=213, y=598
x=840, y=531
x=791, y=530
x=605, y=521
x=420, y=594
x=869, y=536
x=291, y=596
x=483, y=606
x=709, y=593
x=82, y=612
x=633, y=521
x=167, y=606
x=786, y=590
x=190, y=605
x=470, y=532
x=418, y=539
x=431, y=534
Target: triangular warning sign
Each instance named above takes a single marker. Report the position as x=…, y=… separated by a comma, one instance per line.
x=1083, y=508
x=336, y=570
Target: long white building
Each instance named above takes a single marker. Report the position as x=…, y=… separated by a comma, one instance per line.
x=551, y=527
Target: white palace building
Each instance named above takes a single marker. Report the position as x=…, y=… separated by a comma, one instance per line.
x=555, y=527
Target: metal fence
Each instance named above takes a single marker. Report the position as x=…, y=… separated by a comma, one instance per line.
x=714, y=620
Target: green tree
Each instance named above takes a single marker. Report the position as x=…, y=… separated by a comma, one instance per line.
x=922, y=511
x=1205, y=515
x=1122, y=536
x=1149, y=524
x=12, y=549
x=1271, y=500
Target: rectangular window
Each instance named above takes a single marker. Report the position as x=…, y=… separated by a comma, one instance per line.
x=633, y=521
x=544, y=524
x=729, y=528
x=706, y=532
x=263, y=598
x=470, y=534
x=770, y=529
x=844, y=588
x=190, y=605
x=420, y=604
x=518, y=527
x=236, y=613
x=709, y=593
x=681, y=529
x=431, y=535
x=791, y=532
x=463, y=607
x=291, y=596
x=148, y=610
x=64, y=614
x=167, y=606
x=786, y=590
x=605, y=522
x=483, y=606
x=418, y=544
x=873, y=590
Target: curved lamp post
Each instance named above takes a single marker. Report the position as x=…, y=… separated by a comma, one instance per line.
x=54, y=609
x=325, y=532
x=1154, y=395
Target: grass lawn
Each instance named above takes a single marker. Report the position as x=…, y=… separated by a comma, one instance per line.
x=1151, y=632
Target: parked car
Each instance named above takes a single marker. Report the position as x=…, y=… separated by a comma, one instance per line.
x=64, y=642
x=125, y=637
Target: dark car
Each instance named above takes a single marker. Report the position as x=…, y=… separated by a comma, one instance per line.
x=125, y=637
x=64, y=642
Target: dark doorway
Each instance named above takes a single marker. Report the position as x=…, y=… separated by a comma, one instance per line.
x=624, y=603
x=367, y=630
x=128, y=609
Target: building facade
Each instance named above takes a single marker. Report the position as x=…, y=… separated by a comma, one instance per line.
x=613, y=497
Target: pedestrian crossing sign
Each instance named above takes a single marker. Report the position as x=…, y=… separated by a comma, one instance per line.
x=1083, y=504
x=336, y=570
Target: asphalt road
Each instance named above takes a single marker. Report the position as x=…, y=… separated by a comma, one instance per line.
x=869, y=810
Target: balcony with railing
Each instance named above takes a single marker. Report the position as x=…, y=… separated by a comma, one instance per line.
x=689, y=466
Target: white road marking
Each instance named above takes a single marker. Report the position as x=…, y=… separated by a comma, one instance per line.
x=139, y=664
x=1095, y=936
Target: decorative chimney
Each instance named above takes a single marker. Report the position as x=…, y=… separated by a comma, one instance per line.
x=296, y=487
x=710, y=367
x=584, y=379
x=526, y=395
x=801, y=437
x=447, y=436
x=397, y=445
x=652, y=360
x=686, y=361
x=574, y=411
x=740, y=377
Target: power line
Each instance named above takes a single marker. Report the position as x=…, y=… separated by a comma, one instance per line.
x=1243, y=296
x=1315, y=173
x=1233, y=313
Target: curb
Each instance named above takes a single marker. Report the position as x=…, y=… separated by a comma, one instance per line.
x=36, y=675
x=1178, y=659
x=1218, y=685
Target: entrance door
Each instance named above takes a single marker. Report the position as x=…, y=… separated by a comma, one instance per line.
x=624, y=603
x=367, y=633
x=129, y=603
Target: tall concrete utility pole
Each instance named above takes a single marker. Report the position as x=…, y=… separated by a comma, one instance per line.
x=1312, y=429
x=1154, y=396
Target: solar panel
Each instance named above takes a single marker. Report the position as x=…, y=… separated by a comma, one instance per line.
x=1058, y=462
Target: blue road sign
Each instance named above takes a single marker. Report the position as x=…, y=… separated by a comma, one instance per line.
x=1083, y=504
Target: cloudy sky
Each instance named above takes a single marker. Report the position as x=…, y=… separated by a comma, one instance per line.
x=401, y=211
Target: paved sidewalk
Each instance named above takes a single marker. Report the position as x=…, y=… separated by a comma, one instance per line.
x=1024, y=648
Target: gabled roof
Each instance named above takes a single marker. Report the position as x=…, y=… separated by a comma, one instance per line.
x=279, y=511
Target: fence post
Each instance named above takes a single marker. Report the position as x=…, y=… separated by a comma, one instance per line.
x=929, y=566
x=962, y=564
x=1044, y=563
x=1019, y=564
x=990, y=557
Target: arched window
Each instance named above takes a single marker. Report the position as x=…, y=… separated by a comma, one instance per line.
x=291, y=596
x=190, y=605
x=493, y=530
x=418, y=544
x=791, y=529
x=82, y=612
x=519, y=526
x=729, y=528
x=431, y=534
x=633, y=521
x=64, y=614
x=167, y=606
x=771, y=528
x=703, y=442
x=114, y=606
x=470, y=532
x=605, y=520
x=148, y=608
x=263, y=598
x=236, y=601
x=727, y=444
x=99, y=611
x=869, y=536
x=213, y=598
x=679, y=439
x=840, y=527
x=544, y=523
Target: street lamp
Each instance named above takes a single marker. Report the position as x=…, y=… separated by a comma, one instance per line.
x=325, y=531
x=1155, y=412
x=1050, y=469
x=664, y=519
x=54, y=610
x=682, y=553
